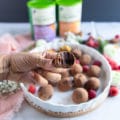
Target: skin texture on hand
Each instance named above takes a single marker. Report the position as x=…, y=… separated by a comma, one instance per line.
x=18, y=66
x=24, y=62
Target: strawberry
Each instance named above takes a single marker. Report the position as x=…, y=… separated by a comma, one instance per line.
x=85, y=68
x=113, y=91
x=32, y=89
x=92, y=94
x=97, y=62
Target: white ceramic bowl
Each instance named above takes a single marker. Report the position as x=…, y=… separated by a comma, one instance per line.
x=61, y=104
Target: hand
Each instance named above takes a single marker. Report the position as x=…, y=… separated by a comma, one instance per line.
x=22, y=65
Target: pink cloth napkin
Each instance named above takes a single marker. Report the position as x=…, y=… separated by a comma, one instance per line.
x=8, y=44
x=10, y=104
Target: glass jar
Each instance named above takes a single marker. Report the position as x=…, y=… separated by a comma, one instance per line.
x=42, y=18
x=70, y=12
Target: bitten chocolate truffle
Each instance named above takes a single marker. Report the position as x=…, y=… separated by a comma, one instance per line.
x=76, y=68
x=94, y=70
x=46, y=92
x=79, y=80
x=85, y=59
x=65, y=84
x=93, y=83
x=80, y=95
x=77, y=52
x=64, y=59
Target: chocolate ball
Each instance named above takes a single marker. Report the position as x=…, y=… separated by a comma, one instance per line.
x=94, y=70
x=80, y=95
x=45, y=92
x=79, y=80
x=76, y=68
x=64, y=59
x=77, y=52
x=92, y=83
x=65, y=73
x=85, y=59
x=65, y=84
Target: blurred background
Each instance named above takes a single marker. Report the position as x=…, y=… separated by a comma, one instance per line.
x=93, y=10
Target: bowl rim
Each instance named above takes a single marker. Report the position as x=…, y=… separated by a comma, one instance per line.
x=109, y=78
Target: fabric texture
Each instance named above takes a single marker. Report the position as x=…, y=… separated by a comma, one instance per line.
x=10, y=104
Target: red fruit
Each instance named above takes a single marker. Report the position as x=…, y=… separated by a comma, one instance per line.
x=85, y=68
x=90, y=43
x=119, y=67
x=92, y=94
x=117, y=36
x=96, y=45
x=32, y=89
x=113, y=91
x=112, y=63
x=97, y=62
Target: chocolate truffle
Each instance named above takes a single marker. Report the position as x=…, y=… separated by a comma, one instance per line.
x=85, y=59
x=76, y=68
x=80, y=95
x=79, y=80
x=77, y=52
x=64, y=59
x=65, y=84
x=94, y=70
x=65, y=73
x=92, y=83
x=45, y=92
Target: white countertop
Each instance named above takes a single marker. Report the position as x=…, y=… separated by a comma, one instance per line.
x=109, y=110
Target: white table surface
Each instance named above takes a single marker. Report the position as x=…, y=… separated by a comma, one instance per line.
x=109, y=110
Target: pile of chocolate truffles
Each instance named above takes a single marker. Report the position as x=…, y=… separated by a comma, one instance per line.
x=82, y=77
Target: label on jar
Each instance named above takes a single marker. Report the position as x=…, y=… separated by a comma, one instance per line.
x=70, y=13
x=43, y=16
x=46, y=32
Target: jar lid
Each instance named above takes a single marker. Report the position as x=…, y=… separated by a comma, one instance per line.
x=68, y=2
x=40, y=3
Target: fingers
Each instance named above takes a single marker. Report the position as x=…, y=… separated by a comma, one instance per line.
x=49, y=55
x=45, y=63
x=22, y=62
x=40, y=79
x=25, y=62
x=42, y=60
x=28, y=78
x=21, y=77
x=53, y=78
